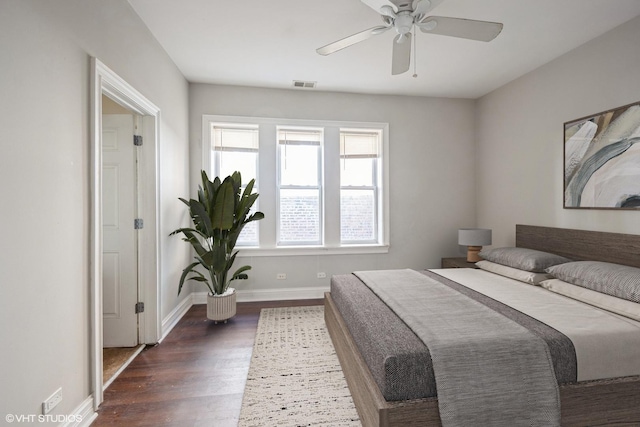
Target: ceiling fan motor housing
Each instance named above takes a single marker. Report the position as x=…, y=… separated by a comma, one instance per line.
x=404, y=5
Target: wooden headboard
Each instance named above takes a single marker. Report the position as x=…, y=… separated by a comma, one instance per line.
x=581, y=244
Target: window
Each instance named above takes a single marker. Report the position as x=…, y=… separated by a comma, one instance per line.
x=235, y=148
x=359, y=154
x=322, y=183
x=299, y=186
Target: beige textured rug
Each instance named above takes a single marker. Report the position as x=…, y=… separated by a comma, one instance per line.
x=295, y=377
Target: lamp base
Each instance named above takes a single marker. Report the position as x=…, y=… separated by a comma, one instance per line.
x=472, y=253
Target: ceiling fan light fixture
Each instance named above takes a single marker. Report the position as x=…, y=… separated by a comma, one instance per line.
x=420, y=7
x=403, y=23
x=429, y=25
x=401, y=38
x=387, y=11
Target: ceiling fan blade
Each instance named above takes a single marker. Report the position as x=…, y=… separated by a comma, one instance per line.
x=464, y=28
x=377, y=5
x=401, y=58
x=351, y=40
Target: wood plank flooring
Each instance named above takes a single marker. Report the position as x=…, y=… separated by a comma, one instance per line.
x=195, y=377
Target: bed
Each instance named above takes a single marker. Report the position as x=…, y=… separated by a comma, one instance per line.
x=594, y=402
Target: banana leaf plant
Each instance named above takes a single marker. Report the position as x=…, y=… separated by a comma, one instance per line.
x=219, y=215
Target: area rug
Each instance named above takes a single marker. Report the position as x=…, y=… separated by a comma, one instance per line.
x=295, y=377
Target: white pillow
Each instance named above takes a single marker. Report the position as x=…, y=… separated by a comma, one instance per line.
x=610, y=303
x=513, y=273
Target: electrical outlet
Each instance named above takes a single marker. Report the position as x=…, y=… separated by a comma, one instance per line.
x=281, y=276
x=322, y=275
x=52, y=401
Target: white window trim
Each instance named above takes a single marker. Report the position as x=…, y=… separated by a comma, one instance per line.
x=319, y=187
x=378, y=170
x=268, y=246
x=211, y=167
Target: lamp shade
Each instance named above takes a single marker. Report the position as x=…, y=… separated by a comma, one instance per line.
x=474, y=236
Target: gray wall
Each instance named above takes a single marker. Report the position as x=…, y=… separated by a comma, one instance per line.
x=44, y=184
x=431, y=172
x=520, y=135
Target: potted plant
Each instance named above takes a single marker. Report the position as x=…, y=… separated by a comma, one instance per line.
x=219, y=215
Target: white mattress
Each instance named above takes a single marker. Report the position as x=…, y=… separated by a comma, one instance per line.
x=607, y=345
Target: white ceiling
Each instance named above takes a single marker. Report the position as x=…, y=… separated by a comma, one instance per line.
x=271, y=43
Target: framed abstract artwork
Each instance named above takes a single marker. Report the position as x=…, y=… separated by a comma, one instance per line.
x=602, y=160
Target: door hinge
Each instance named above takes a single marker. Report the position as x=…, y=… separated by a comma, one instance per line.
x=137, y=140
x=138, y=224
x=139, y=307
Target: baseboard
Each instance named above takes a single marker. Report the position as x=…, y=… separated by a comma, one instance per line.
x=280, y=294
x=83, y=415
x=169, y=322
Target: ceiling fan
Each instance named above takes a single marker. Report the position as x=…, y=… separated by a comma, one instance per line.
x=402, y=15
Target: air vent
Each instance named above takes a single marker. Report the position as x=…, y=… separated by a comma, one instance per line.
x=303, y=84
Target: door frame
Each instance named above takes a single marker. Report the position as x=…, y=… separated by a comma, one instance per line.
x=105, y=81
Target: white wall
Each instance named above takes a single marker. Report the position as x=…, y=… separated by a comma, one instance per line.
x=45, y=49
x=520, y=136
x=431, y=172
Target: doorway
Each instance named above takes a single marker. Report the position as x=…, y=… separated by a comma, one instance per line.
x=120, y=190
x=125, y=298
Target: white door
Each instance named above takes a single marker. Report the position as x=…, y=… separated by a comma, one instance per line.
x=119, y=249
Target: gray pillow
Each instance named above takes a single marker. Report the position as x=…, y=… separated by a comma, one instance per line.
x=612, y=279
x=523, y=258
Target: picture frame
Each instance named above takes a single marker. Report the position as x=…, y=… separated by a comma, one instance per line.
x=602, y=160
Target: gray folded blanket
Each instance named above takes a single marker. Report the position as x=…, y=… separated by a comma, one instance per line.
x=489, y=370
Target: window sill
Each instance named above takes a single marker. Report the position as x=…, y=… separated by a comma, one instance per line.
x=313, y=250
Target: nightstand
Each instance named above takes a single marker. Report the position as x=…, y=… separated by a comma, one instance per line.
x=457, y=263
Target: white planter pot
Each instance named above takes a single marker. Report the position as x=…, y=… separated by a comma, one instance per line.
x=221, y=307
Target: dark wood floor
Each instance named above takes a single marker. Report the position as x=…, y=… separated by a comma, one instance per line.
x=195, y=377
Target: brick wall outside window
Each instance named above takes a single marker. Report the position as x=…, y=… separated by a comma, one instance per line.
x=357, y=218
x=299, y=219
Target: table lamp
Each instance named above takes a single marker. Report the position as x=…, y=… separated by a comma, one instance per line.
x=474, y=239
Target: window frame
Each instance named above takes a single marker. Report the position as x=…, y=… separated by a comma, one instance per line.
x=330, y=200
x=215, y=162
x=375, y=187
x=319, y=185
